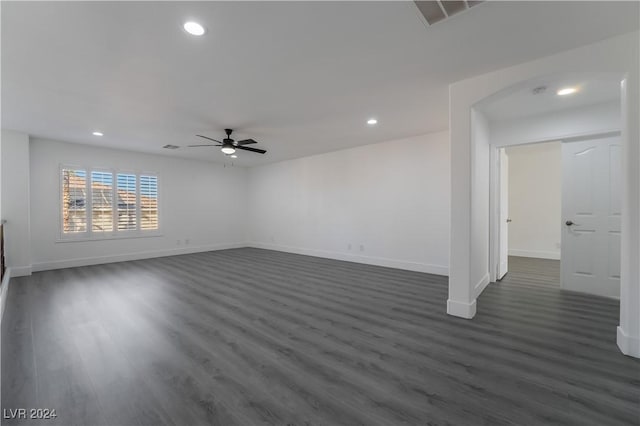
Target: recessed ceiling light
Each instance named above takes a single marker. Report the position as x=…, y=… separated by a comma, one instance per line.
x=372, y=121
x=233, y=156
x=566, y=91
x=98, y=134
x=194, y=28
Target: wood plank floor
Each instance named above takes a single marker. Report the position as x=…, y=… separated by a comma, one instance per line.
x=253, y=337
x=533, y=272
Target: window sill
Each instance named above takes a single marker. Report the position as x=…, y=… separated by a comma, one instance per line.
x=80, y=239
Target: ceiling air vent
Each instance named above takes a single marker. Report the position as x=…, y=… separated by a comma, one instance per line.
x=539, y=90
x=171, y=147
x=436, y=11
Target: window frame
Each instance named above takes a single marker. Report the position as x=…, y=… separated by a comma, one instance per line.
x=89, y=234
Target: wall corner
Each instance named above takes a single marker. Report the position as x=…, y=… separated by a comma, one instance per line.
x=629, y=345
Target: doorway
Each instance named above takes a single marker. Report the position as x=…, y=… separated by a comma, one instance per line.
x=530, y=206
x=558, y=213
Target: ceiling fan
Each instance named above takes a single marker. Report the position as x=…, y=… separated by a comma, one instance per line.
x=229, y=146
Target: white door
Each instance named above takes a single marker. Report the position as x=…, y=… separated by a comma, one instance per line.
x=590, y=253
x=503, y=264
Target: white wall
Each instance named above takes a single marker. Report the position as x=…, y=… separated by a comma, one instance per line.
x=1, y=137
x=535, y=194
x=617, y=56
x=4, y=285
x=15, y=201
x=480, y=201
x=199, y=201
x=384, y=204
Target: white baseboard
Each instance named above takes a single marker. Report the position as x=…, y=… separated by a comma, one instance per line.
x=461, y=309
x=481, y=285
x=21, y=271
x=378, y=261
x=540, y=254
x=628, y=345
x=86, y=261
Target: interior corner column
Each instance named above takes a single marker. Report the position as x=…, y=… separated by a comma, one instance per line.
x=16, y=201
x=461, y=302
x=628, y=333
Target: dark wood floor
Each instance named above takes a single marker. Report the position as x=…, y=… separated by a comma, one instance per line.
x=533, y=272
x=253, y=337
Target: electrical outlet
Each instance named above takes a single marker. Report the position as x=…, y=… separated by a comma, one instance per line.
x=272, y=238
x=187, y=241
x=361, y=247
x=349, y=246
x=177, y=242
x=558, y=245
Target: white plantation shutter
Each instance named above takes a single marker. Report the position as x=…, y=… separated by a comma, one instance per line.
x=107, y=204
x=101, y=201
x=74, y=201
x=127, y=202
x=148, y=202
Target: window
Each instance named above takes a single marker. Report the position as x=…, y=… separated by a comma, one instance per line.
x=107, y=203
x=101, y=201
x=127, y=202
x=74, y=201
x=148, y=202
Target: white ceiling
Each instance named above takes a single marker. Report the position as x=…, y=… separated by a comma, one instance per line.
x=522, y=102
x=300, y=77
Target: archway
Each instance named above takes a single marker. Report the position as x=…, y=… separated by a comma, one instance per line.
x=470, y=156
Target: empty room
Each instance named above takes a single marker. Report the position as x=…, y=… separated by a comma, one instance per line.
x=320, y=213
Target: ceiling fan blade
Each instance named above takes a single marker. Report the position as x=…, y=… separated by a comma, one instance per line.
x=193, y=146
x=246, y=142
x=259, y=151
x=200, y=136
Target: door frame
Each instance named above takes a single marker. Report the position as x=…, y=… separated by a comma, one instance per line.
x=494, y=188
x=495, y=201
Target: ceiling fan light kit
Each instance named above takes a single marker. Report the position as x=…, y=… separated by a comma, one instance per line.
x=228, y=149
x=229, y=146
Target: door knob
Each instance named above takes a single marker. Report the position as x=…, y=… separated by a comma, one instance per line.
x=509, y=220
x=569, y=223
